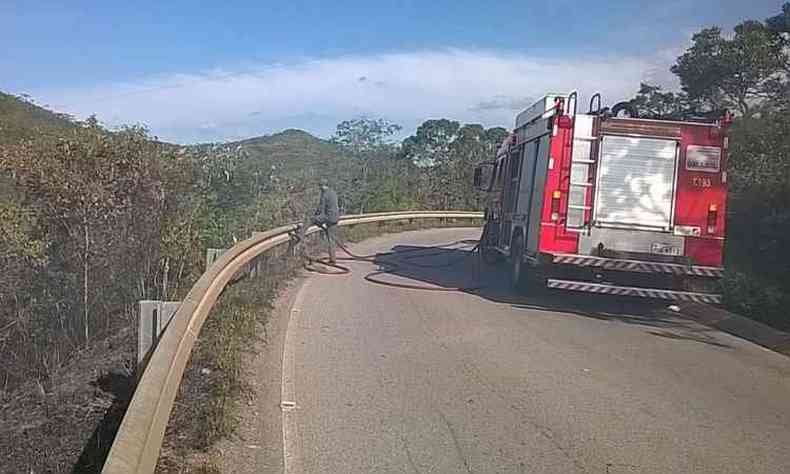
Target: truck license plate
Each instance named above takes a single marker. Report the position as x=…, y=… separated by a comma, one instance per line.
x=664, y=249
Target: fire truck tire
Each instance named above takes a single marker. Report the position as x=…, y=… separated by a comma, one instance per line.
x=488, y=254
x=518, y=276
x=536, y=280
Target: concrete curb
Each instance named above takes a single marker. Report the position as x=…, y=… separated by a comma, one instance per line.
x=740, y=326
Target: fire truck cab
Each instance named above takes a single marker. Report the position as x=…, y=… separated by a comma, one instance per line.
x=598, y=203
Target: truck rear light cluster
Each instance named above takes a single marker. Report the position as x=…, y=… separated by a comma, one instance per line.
x=688, y=230
x=555, y=206
x=565, y=122
x=712, y=218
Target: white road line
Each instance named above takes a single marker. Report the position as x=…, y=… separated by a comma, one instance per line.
x=292, y=443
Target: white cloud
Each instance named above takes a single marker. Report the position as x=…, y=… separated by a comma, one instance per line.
x=470, y=86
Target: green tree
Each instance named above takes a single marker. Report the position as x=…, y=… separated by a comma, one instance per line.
x=98, y=194
x=365, y=134
x=654, y=103
x=738, y=73
x=446, y=154
x=368, y=144
x=781, y=22
x=780, y=87
x=747, y=72
x=430, y=145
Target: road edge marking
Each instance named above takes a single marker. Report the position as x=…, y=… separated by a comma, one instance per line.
x=292, y=442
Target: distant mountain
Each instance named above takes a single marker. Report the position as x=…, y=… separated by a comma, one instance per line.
x=21, y=119
x=288, y=134
x=293, y=153
x=294, y=161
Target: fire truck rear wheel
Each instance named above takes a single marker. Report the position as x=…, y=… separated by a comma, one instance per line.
x=489, y=255
x=486, y=245
x=518, y=277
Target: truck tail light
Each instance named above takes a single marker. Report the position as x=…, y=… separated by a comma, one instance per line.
x=712, y=218
x=555, y=206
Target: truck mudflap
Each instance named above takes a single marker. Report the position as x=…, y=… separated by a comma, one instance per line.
x=636, y=265
x=608, y=289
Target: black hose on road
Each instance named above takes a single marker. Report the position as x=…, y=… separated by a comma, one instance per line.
x=405, y=258
x=392, y=267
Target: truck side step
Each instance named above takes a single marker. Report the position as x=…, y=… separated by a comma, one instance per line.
x=603, y=288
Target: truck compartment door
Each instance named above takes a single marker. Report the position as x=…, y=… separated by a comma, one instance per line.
x=541, y=161
x=636, y=182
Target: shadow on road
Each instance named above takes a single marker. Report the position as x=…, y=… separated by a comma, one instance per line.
x=460, y=267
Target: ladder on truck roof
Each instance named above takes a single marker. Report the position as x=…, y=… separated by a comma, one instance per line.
x=582, y=172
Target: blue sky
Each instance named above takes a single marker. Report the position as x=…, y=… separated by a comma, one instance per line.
x=197, y=71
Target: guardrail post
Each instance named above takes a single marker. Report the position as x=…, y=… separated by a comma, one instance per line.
x=254, y=265
x=258, y=264
x=293, y=247
x=212, y=255
x=154, y=318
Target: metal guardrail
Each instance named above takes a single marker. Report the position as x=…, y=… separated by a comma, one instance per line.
x=139, y=438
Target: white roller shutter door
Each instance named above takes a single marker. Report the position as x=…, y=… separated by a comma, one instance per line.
x=636, y=182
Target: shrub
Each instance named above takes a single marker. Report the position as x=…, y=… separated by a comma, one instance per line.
x=756, y=298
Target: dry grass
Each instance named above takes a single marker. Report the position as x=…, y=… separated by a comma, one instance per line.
x=207, y=405
x=67, y=423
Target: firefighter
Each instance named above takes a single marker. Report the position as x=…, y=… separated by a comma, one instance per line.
x=326, y=216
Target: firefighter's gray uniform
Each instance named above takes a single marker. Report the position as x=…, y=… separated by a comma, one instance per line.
x=327, y=215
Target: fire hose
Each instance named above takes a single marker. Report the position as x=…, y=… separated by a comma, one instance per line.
x=404, y=258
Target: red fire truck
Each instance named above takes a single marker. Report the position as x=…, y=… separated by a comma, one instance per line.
x=602, y=203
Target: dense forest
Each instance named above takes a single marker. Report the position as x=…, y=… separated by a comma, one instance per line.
x=91, y=220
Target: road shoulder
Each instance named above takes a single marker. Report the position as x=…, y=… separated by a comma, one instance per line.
x=257, y=446
x=739, y=326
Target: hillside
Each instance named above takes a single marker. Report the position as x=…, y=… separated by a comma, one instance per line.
x=55, y=380
x=292, y=162
x=292, y=153
x=22, y=119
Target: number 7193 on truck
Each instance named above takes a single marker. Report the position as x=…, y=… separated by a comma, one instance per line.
x=602, y=203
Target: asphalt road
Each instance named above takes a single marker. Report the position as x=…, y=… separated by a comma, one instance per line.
x=385, y=379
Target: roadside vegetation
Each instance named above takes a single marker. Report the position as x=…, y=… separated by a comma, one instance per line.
x=91, y=221
x=94, y=221
x=748, y=73
x=214, y=385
